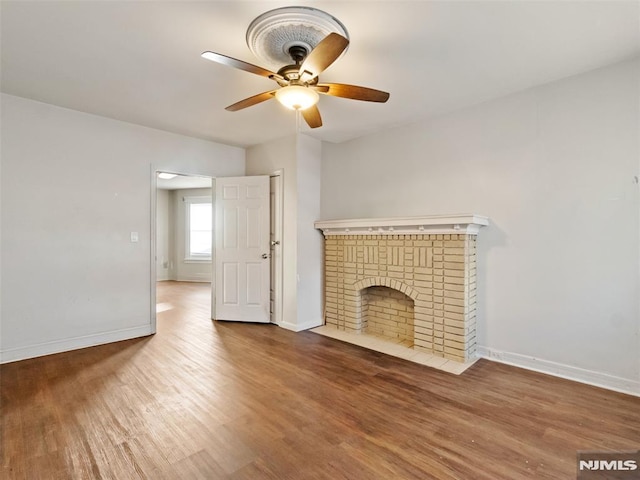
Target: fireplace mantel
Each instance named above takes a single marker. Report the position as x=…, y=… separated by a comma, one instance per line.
x=469, y=224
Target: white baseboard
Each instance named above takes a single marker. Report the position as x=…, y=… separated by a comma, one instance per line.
x=295, y=327
x=194, y=278
x=598, y=379
x=58, y=346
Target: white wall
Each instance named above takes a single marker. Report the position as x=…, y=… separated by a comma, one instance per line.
x=310, y=241
x=186, y=270
x=164, y=256
x=553, y=167
x=74, y=186
x=299, y=157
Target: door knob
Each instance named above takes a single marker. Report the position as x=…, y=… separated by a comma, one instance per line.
x=265, y=255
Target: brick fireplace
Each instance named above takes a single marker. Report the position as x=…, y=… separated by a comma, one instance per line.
x=410, y=280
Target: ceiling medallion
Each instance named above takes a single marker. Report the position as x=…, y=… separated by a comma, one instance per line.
x=272, y=34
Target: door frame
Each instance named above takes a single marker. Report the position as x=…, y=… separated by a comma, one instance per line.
x=279, y=231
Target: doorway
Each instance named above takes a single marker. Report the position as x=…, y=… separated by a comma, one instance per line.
x=175, y=255
x=182, y=222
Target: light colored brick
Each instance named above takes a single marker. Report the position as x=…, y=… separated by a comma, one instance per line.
x=424, y=330
x=455, y=277
x=459, y=302
x=455, y=357
x=454, y=317
x=449, y=293
x=454, y=243
x=418, y=264
x=454, y=266
x=454, y=309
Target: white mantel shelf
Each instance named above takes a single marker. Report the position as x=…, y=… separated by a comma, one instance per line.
x=469, y=224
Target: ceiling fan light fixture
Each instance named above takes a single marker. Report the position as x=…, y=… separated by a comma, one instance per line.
x=297, y=97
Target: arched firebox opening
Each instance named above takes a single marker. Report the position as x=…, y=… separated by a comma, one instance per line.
x=387, y=313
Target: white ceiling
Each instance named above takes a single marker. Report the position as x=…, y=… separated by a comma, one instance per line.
x=183, y=181
x=140, y=61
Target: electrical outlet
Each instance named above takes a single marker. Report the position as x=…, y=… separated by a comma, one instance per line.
x=496, y=355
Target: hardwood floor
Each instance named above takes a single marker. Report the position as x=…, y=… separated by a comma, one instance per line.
x=214, y=400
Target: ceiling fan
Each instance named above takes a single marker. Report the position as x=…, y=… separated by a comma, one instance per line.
x=298, y=82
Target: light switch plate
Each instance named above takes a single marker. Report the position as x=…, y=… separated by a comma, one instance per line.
x=134, y=237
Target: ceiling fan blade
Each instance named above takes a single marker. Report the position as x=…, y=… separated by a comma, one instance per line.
x=312, y=116
x=248, y=102
x=324, y=88
x=325, y=53
x=354, y=92
x=235, y=63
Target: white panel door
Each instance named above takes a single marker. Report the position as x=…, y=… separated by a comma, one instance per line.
x=242, y=267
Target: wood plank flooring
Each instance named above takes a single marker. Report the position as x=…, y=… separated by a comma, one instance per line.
x=214, y=400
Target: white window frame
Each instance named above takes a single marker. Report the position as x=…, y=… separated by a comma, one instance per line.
x=188, y=257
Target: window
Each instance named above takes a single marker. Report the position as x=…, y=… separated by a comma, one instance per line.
x=198, y=228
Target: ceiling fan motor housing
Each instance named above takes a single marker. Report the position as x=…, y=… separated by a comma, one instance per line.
x=298, y=53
